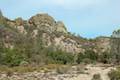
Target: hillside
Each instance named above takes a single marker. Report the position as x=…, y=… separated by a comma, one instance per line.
x=32, y=39
x=43, y=46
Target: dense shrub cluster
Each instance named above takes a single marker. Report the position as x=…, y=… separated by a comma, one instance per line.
x=114, y=74
x=87, y=57
x=15, y=57
x=11, y=57
x=105, y=57
x=60, y=57
x=90, y=56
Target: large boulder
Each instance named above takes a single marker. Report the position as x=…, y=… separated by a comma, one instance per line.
x=47, y=23
x=43, y=22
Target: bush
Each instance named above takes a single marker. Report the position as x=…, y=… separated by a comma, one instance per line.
x=114, y=74
x=91, y=55
x=11, y=57
x=96, y=77
x=60, y=57
x=88, y=57
x=105, y=57
x=80, y=58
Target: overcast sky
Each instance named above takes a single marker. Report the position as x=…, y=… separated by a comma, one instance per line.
x=89, y=18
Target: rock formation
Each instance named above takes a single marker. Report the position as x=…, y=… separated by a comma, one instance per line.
x=47, y=23
x=60, y=27
x=51, y=33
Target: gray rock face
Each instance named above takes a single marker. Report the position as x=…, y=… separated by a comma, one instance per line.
x=63, y=43
x=68, y=45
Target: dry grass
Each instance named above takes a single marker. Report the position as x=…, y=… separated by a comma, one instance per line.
x=24, y=69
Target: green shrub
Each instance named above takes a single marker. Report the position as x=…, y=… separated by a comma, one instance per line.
x=80, y=58
x=87, y=57
x=105, y=57
x=11, y=57
x=91, y=55
x=96, y=77
x=60, y=57
x=114, y=74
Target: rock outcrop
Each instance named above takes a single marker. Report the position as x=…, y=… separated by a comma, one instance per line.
x=60, y=27
x=43, y=22
x=47, y=23
x=43, y=28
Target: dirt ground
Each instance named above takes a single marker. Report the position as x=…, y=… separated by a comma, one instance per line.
x=94, y=69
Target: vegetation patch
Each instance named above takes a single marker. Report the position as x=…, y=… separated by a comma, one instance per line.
x=96, y=77
x=114, y=74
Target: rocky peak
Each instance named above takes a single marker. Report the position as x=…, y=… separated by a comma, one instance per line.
x=42, y=28
x=47, y=23
x=42, y=19
x=43, y=22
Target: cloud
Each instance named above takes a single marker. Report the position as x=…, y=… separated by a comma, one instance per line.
x=63, y=4
x=69, y=4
